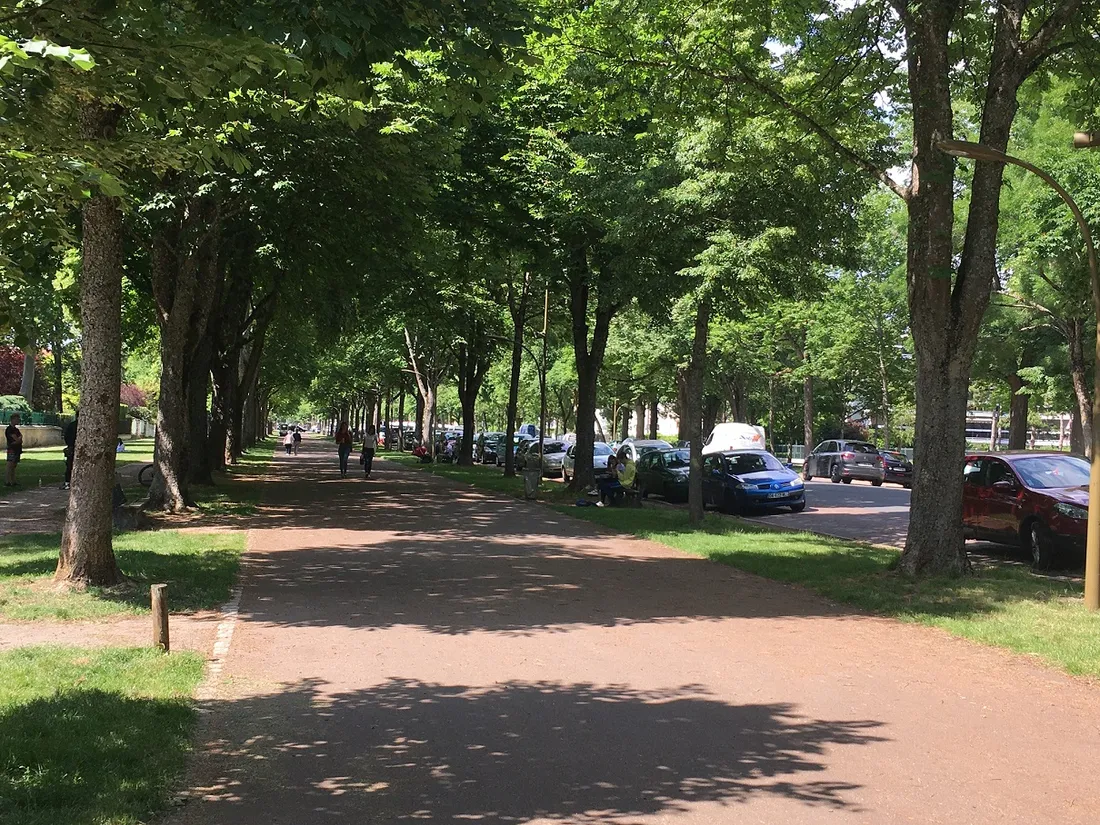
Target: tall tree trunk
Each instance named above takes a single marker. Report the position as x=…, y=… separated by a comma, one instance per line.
x=87, y=556
x=419, y=433
x=681, y=408
x=1077, y=442
x=639, y=417
x=401, y=418
x=995, y=429
x=885, y=388
x=947, y=305
x=26, y=385
x=589, y=361
x=692, y=415
x=473, y=366
x=1079, y=377
x=198, y=391
x=184, y=274
x=58, y=375
x=807, y=408
x=517, y=307
x=654, y=414
x=1017, y=414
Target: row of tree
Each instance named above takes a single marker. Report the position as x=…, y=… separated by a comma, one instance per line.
x=739, y=209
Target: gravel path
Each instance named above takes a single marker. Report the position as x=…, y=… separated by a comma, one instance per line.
x=412, y=651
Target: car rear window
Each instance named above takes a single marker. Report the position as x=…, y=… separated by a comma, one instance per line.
x=551, y=447
x=856, y=447
x=679, y=458
x=601, y=449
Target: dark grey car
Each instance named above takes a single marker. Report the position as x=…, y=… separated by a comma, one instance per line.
x=842, y=460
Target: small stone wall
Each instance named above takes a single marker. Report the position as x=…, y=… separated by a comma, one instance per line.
x=37, y=435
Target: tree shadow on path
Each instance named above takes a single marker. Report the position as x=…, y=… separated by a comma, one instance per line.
x=515, y=752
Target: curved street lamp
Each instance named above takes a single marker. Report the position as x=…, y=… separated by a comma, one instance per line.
x=1082, y=140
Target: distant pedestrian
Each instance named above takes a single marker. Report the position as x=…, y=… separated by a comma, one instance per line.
x=70, y=450
x=288, y=443
x=297, y=439
x=421, y=454
x=370, y=444
x=15, y=448
x=343, y=447
x=121, y=446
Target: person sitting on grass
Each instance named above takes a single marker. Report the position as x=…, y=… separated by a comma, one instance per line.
x=421, y=453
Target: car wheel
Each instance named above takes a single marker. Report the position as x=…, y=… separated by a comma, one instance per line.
x=642, y=492
x=834, y=474
x=846, y=480
x=1041, y=546
x=876, y=483
x=799, y=507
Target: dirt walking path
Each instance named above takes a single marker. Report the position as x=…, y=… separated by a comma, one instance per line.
x=411, y=651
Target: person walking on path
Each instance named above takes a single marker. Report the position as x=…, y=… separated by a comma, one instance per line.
x=370, y=444
x=343, y=447
x=15, y=447
x=70, y=450
x=288, y=443
x=297, y=439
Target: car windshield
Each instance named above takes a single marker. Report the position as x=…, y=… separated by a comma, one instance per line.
x=599, y=448
x=753, y=463
x=649, y=448
x=551, y=447
x=895, y=456
x=856, y=447
x=1047, y=471
x=677, y=459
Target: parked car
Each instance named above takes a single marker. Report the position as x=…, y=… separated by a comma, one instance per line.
x=637, y=447
x=734, y=436
x=410, y=439
x=740, y=480
x=1038, y=501
x=487, y=453
x=897, y=468
x=518, y=441
x=664, y=473
x=553, y=452
x=601, y=454
x=842, y=460
x=521, y=452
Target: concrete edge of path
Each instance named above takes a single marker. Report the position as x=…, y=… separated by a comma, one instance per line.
x=600, y=529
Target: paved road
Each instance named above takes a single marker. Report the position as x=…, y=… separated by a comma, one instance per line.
x=854, y=511
x=409, y=651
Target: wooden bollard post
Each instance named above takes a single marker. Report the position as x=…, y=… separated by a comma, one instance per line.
x=160, y=616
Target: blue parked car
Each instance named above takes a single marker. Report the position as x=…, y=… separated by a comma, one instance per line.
x=740, y=480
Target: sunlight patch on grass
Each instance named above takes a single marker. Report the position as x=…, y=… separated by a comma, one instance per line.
x=199, y=568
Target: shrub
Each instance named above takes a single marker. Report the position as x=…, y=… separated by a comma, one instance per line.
x=14, y=403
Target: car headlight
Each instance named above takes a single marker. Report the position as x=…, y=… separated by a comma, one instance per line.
x=1072, y=511
x=796, y=484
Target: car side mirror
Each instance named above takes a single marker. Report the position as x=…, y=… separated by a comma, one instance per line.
x=1004, y=486
x=789, y=465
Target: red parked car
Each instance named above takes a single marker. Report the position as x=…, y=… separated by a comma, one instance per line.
x=1034, y=499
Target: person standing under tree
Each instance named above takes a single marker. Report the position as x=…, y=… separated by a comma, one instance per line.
x=15, y=448
x=297, y=439
x=370, y=444
x=343, y=447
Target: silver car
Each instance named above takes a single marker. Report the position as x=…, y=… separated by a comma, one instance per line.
x=601, y=454
x=842, y=461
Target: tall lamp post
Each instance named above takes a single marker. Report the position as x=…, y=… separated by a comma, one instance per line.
x=977, y=151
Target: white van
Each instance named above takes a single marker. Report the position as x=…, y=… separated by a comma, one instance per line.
x=734, y=436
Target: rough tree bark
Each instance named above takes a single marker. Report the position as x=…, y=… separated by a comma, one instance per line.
x=589, y=360
x=87, y=556
x=1079, y=377
x=654, y=414
x=427, y=367
x=26, y=384
x=184, y=271
x=473, y=366
x=639, y=417
x=1017, y=413
x=692, y=420
x=945, y=311
x=807, y=407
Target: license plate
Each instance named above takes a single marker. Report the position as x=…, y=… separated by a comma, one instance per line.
x=778, y=495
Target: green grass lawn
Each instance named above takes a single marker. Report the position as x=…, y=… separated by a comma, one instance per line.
x=45, y=466
x=1005, y=607
x=199, y=568
x=92, y=737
